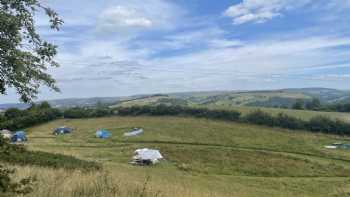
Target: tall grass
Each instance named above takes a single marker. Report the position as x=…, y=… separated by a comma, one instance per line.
x=105, y=183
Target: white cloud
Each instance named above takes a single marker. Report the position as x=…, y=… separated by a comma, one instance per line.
x=129, y=15
x=261, y=57
x=260, y=11
x=119, y=17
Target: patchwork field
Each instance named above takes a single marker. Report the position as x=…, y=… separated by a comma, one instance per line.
x=202, y=158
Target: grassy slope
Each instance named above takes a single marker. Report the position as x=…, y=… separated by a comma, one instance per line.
x=203, y=158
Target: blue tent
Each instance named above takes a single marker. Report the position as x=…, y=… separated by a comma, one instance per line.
x=103, y=134
x=62, y=130
x=19, y=136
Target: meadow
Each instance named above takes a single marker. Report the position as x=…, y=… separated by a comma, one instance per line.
x=202, y=158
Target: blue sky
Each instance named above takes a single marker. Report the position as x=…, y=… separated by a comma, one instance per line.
x=118, y=47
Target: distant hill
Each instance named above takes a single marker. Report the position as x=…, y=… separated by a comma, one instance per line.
x=269, y=98
x=13, y=105
x=284, y=98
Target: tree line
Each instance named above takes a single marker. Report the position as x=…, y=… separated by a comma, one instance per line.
x=316, y=124
x=17, y=119
x=14, y=119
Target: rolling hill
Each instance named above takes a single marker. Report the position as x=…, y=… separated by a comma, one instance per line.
x=269, y=98
x=274, y=98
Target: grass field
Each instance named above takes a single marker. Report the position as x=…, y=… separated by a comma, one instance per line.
x=202, y=158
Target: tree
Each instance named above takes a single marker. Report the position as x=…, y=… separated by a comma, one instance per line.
x=24, y=56
x=44, y=105
x=299, y=104
x=314, y=104
x=14, y=113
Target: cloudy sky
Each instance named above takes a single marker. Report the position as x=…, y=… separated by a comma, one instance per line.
x=119, y=47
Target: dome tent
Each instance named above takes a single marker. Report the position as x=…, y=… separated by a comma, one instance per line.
x=62, y=130
x=19, y=136
x=6, y=134
x=103, y=134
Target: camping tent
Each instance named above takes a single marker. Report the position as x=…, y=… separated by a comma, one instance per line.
x=6, y=134
x=134, y=132
x=147, y=156
x=19, y=136
x=103, y=134
x=62, y=130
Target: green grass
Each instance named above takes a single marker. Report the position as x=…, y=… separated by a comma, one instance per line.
x=203, y=157
x=302, y=114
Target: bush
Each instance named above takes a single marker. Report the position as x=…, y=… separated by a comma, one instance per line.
x=327, y=125
x=78, y=112
x=8, y=187
x=261, y=118
x=285, y=121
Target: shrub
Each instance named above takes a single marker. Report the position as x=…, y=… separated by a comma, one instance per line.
x=8, y=187
x=321, y=123
x=285, y=121
x=261, y=118
x=78, y=112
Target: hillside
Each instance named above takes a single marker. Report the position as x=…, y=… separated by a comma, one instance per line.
x=202, y=158
x=274, y=98
x=269, y=98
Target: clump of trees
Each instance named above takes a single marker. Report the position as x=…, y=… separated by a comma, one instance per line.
x=313, y=104
x=14, y=119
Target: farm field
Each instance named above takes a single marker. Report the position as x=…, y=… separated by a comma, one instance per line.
x=302, y=114
x=202, y=158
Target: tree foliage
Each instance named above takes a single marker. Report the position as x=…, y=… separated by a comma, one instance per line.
x=24, y=55
x=14, y=119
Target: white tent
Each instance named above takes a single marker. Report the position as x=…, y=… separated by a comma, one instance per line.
x=6, y=134
x=145, y=154
x=331, y=147
x=134, y=132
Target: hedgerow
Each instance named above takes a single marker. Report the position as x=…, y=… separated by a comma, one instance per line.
x=316, y=124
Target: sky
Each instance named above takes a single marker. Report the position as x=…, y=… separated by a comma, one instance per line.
x=118, y=47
